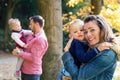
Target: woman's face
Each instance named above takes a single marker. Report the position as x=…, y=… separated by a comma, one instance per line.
x=92, y=33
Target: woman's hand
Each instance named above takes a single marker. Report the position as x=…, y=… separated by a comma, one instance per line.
x=67, y=47
x=104, y=45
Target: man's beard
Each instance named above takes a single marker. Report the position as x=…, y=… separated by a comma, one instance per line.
x=33, y=29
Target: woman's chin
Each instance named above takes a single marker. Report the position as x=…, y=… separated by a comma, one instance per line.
x=92, y=45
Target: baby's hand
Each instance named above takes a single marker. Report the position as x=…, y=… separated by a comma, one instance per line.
x=25, y=46
x=67, y=47
x=15, y=52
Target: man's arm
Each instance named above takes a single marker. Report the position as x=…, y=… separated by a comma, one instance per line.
x=37, y=50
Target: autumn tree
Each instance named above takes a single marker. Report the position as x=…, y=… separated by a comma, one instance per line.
x=52, y=13
x=97, y=6
x=110, y=9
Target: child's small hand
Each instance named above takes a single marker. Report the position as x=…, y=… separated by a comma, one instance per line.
x=14, y=52
x=67, y=47
x=25, y=46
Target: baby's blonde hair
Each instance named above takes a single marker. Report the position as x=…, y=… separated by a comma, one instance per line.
x=13, y=21
x=79, y=21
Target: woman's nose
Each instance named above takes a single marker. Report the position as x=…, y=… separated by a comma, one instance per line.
x=88, y=34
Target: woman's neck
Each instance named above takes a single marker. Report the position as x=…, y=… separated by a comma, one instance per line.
x=93, y=46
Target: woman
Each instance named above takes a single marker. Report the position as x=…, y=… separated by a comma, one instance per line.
x=102, y=67
x=79, y=47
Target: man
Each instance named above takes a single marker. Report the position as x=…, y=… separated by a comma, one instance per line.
x=37, y=45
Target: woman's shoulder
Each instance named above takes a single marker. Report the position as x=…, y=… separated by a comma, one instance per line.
x=107, y=57
x=108, y=52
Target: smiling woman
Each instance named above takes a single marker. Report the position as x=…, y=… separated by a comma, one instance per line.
x=92, y=31
x=102, y=67
x=95, y=26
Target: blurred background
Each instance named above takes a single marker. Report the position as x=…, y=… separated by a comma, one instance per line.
x=57, y=15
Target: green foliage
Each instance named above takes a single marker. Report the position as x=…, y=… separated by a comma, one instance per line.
x=23, y=10
x=2, y=13
x=1, y=39
x=65, y=10
x=65, y=38
x=8, y=46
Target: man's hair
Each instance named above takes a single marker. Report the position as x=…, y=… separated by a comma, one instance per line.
x=39, y=19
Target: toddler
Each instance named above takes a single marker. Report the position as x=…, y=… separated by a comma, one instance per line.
x=19, y=36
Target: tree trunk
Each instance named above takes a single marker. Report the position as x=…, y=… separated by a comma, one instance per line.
x=9, y=12
x=8, y=15
x=97, y=6
x=52, y=13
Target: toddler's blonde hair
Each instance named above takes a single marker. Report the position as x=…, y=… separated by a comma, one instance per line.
x=14, y=21
x=79, y=21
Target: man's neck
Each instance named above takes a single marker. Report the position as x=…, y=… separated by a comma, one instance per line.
x=38, y=30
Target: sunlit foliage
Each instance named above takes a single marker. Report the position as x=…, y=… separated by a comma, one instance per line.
x=84, y=10
x=110, y=10
x=72, y=3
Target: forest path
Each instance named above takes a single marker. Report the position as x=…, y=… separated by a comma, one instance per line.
x=7, y=66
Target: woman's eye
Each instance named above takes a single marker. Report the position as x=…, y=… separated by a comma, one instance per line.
x=92, y=30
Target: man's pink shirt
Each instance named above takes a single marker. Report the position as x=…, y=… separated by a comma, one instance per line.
x=37, y=46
